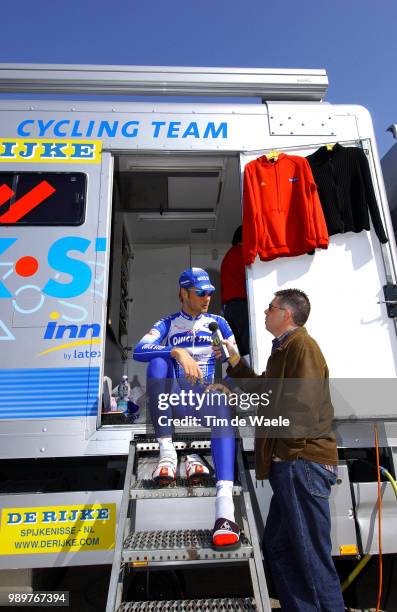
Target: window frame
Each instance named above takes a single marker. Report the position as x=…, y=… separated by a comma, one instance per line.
x=45, y=174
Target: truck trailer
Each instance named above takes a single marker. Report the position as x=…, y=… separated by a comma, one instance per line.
x=103, y=203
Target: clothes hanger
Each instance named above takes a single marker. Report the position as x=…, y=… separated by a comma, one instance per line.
x=273, y=155
x=330, y=146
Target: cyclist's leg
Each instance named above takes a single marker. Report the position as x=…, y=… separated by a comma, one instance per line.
x=212, y=410
x=226, y=532
x=160, y=377
x=217, y=414
x=160, y=374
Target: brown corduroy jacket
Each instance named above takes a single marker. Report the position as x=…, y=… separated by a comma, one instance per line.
x=304, y=398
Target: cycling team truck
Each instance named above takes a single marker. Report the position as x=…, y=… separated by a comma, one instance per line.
x=113, y=180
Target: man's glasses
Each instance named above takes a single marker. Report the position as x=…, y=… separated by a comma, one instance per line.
x=202, y=292
x=271, y=306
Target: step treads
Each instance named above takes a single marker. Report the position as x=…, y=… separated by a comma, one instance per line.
x=223, y=604
x=147, y=489
x=180, y=545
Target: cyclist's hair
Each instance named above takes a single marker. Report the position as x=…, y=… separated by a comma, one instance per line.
x=180, y=292
x=297, y=301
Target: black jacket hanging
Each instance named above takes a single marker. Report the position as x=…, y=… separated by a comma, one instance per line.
x=345, y=188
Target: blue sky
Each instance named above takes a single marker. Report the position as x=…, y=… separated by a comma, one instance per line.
x=354, y=40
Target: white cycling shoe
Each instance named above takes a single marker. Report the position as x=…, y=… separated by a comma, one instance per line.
x=165, y=472
x=196, y=470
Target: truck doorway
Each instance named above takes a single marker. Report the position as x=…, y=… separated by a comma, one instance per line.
x=170, y=212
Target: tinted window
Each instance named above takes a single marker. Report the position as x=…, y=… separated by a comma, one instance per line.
x=42, y=198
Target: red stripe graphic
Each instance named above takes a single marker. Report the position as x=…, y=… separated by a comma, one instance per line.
x=5, y=193
x=28, y=202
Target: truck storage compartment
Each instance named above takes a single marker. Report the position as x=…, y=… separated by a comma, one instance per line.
x=169, y=213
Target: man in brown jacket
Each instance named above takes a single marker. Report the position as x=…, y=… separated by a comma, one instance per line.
x=301, y=470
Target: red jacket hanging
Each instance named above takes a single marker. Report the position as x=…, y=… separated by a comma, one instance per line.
x=282, y=214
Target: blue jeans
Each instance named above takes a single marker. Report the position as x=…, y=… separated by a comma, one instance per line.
x=297, y=538
x=160, y=380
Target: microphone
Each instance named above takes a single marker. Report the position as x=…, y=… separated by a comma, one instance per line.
x=217, y=338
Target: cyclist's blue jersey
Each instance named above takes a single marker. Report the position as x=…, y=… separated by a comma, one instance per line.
x=182, y=330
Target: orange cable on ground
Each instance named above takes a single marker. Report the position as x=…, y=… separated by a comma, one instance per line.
x=378, y=603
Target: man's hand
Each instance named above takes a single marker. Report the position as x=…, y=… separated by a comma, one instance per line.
x=190, y=367
x=234, y=356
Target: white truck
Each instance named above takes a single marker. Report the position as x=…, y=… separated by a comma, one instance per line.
x=102, y=205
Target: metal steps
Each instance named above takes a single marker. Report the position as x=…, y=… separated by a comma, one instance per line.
x=192, y=605
x=143, y=487
x=181, y=545
x=171, y=549
x=146, y=489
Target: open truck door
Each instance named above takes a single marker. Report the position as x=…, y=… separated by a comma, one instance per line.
x=345, y=286
x=100, y=286
x=53, y=289
x=348, y=285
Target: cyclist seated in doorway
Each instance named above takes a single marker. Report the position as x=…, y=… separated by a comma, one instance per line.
x=179, y=351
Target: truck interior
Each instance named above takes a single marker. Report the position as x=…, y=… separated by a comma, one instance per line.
x=169, y=212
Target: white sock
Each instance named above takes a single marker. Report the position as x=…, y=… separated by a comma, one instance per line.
x=167, y=449
x=224, y=506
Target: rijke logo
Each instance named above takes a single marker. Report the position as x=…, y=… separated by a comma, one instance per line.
x=50, y=151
